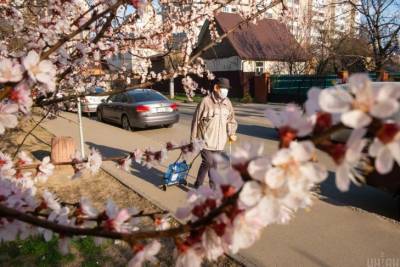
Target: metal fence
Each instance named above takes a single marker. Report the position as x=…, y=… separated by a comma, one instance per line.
x=294, y=88
x=394, y=76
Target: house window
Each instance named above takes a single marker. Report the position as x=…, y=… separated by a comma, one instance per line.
x=259, y=67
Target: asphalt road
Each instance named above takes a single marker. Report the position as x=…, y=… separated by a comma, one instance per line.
x=342, y=229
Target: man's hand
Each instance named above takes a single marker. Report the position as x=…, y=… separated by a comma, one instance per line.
x=232, y=138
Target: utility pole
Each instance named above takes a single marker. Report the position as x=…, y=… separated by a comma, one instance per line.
x=81, y=128
x=171, y=88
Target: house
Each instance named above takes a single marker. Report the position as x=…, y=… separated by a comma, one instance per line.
x=250, y=53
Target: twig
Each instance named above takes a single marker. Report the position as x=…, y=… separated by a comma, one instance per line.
x=29, y=133
x=116, y=158
x=168, y=76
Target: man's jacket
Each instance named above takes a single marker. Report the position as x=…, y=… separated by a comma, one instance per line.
x=213, y=121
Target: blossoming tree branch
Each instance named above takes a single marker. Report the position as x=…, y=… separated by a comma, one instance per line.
x=44, y=50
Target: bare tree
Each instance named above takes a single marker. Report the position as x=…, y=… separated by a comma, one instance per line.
x=380, y=22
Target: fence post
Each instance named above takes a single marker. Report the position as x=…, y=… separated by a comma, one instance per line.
x=383, y=76
x=344, y=76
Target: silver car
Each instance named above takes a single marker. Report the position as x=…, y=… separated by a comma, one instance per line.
x=89, y=103
x=139, y=108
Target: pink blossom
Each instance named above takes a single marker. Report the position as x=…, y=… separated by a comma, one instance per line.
x=242, y=234
x=22, y=96
x=386, y=148
x=116, y=218
x=24, y=158
x=10, y=71
x=44, y=170
x=138, y=153
x=94, y=161
x=357, y=110
x=291, y=117
x=8, y=231
x=51, y=201
x=146, y=253
x=162, y=223
x=87, y=208
x=246, y=151
x=8, y=116
x=213, y=245
x=40, y=70
x=347, y=158
x=189, y=257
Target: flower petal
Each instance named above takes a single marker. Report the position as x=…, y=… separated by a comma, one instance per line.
x=302, y=151
x=250, y=194
x=356, y=119
x=314, y=172
x=375, y=147
x=258, y=168
x=335, y=100
x=384, y=161
x=275, y=177
x=385, y=108
x=343, y=177
x=394, y=148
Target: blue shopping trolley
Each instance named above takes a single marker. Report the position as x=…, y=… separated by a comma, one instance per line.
x=177, y=173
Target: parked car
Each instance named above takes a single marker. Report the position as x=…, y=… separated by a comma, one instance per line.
x=89, y=103
x=139, y=108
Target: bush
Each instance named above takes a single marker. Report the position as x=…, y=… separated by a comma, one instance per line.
x=246, y=98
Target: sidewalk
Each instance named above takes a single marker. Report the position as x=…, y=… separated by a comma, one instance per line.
x=328, y=235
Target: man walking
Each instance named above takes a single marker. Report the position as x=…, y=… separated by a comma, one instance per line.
x=214, y=122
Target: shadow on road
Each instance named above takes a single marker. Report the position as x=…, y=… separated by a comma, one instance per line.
x=258, y=131
x=365, y=197
x=151, y=175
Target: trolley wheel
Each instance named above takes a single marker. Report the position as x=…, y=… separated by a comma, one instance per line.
x=184, y=182
x=164, y=187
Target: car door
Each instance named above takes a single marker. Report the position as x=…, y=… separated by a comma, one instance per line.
x=119, y=108
x=108, y=108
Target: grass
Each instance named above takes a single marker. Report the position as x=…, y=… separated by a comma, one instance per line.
x=37, y=252
x=183, y=98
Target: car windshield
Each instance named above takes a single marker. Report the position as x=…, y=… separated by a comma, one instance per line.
x=146, y=95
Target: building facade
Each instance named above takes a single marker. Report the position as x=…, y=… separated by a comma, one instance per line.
x=307, y=20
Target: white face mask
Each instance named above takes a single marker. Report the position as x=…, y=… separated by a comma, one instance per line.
x=223, y=93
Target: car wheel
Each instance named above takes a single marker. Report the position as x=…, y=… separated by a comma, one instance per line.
x=169, y=125
x=99, y=116
x=125, y=123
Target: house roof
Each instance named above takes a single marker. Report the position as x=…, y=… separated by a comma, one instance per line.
x=269, y=39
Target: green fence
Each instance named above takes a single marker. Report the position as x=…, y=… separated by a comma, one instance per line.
x=394, y=76
x=294, y=88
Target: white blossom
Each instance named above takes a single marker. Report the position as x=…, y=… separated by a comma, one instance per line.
x=147, y=253
x=10, y=71
x=40, y=70
x=357, y=111
x=8, y=116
